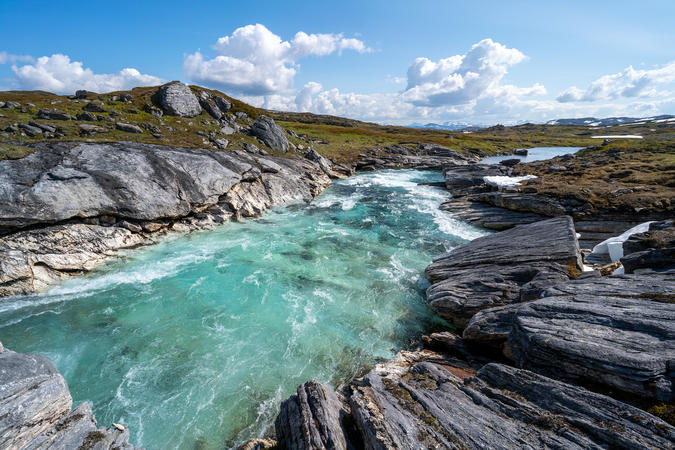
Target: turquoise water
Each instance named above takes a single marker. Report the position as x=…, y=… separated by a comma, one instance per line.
x=194, y=342
x=534, y=154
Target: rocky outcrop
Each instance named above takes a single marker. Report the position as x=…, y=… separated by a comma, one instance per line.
x=177, y=99
x=427, y=399
x=312, y=419
x=424, y=156
x=617, y=331
x=66, y=207
x=502, y=268
x=265, y=129
x=35, y=409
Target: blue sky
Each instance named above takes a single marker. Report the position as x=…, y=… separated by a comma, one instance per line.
x=485, y=62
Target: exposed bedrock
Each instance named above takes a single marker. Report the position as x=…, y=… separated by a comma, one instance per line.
x=423, y=400
x=616, y=331
x=35, y=409
x=502, y=268
x=424, y=156
x=477, y=203
x=68, y=206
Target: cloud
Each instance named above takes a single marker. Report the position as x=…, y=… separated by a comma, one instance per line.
x=461, y=79
x=254, y=61
x=8, y=58
x=629, y=83
x=57, y=73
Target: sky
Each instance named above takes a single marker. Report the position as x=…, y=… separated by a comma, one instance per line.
x=396, y=62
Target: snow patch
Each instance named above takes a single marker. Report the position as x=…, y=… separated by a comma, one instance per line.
x=502, y=182
x=614, y=245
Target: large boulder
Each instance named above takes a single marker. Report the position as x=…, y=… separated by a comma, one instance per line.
x=618, y=331
x=177, y=99
x=35, y=409
x=265, y=129
x=502, y=268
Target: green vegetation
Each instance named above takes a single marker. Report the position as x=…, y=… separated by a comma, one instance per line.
x=337, y=138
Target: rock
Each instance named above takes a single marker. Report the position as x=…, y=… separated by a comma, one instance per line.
x=325, y=164
x=53, y=114
x=311, y=419
x=43, y=127
x=509, y=162
x=486, y=215
x=498, y=269
x=30, y=130
x=222, y=103
x=520, y=152
x=94, y=106
x=80, y=94
x=221, y=143
x=422, y=400
x=150, y=127
x=258, y=444
x=240, y=115
x=88, y=129
x=151, y=109
x=86, y=116
x=659, y=259
x=126, y=97
x=107, y=183
x=438, y=150
x=35, y=409
x=210, y=107
x=10, y=104
x=2, y=105
x=462, y=178
x=177, y=99
x=618, y=331
x=265, y=129
x=227, y=130
x=13, y=128
x=268, y=166
x=101, y=118
x=129, y=128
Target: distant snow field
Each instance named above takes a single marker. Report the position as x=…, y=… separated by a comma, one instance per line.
x=618, y=136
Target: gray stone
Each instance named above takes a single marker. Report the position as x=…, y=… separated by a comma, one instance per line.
x=177, y=99
x=30, y=130
x=312, y=419
x=222, y=103
x=221, y=143
x=11, y=104
x=129, y=128
x=210, y=107
x=324, y=163
x=227, y=130
x=42, y=126
x=86, y=116
x=151, y=109
x=265, y=129
x=80, y=94
x=35, y=409
x=94, y=106
x=126, y=97
x=53, y=114
x=495, y=270
x=618, y=331
x=87, y=129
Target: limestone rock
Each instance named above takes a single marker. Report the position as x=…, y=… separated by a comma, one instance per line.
x=128, y=127
x=177, y=99
x=495, y=270
x=94, y=106
x=265, y=129
x=53, y=114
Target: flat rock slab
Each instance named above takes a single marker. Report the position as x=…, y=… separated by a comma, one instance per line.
x=614, y=331
x=418, y=401
x=488, y=216
x=35, y=409
x=502, y=268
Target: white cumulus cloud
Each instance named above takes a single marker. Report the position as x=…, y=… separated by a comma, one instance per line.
x=254, y=61
x=461, y=79
x=628, y=83
x=57, y=73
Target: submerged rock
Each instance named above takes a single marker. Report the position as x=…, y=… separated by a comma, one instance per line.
x=615, y=331
x=35, y=409
x=502, y=268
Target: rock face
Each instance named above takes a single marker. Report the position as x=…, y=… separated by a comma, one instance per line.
x=422, y=400
x=618, y=331
x=502, y=268
x=177, y=99
x=312, y=419
x=60, y=186
x=425, y=156
x=265, y=129
x=35, y=409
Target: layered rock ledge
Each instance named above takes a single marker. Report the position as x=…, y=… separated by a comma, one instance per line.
x=36, y=406
x=499, y=269
x=68, y=206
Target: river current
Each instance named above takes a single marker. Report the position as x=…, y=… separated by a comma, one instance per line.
x=194, y=342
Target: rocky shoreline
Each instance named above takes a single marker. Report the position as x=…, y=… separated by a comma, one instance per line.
x=548, y=355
